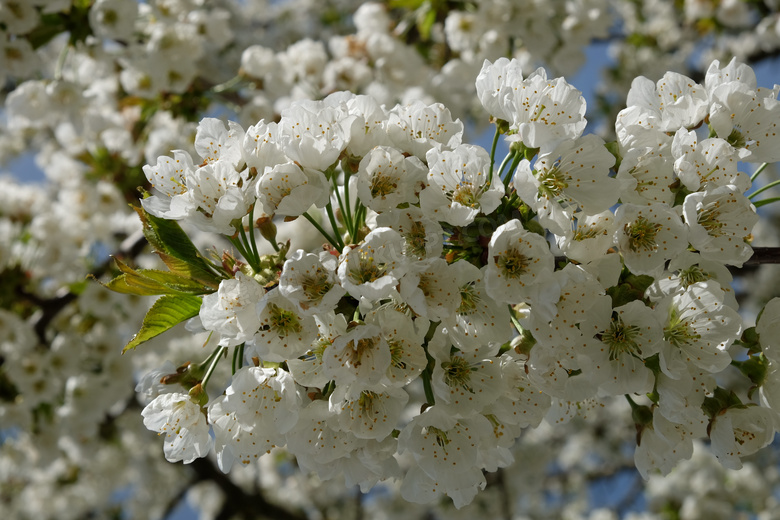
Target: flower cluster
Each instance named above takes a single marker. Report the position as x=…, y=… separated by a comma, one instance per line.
x=84, y=101
x=438, y=289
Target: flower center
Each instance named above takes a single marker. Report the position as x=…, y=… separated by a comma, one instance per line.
x=366, y=402
x=441, y=436
x=466, y=195
x=620, y=338
x=587, y=232
x=397, y=354
x=708, y=219
x=283, y=322
x=679, y=331
x=367, y=270
x=316, y=286
x=692, y=275
x=551, y=182
x=641, y=234
x=383, y=185
x=736, y=139
x=415, y=240
x=513, y=263
x=468, y=299
x=457, y=372
x=357, y=352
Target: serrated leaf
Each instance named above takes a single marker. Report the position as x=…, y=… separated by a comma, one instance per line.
x=196, y=272
x=166, y=236
x=167, y=311
x=175, y=248
x=149, y=282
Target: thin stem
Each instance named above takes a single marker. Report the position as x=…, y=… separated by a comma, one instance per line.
x=764, y=202
x=216, y=355
x=347, y=207
x=334, y=225
x=493, y=155
x=222, y=87
x=253, y=244
x=515, y=322
x=504, y=163
x=321, y=230
x=61, y=62
x=426, y=378
x=345, y=216
x=510, y=172
x=360, y=216
x=758, y=171
x=238, y=358
x=764, y=188
x=237, y=244
x=248, y=249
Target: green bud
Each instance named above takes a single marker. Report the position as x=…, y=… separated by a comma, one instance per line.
x=199, y=395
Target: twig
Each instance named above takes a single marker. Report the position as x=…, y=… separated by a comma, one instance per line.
x=130, y=248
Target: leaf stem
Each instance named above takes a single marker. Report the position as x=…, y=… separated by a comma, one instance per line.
x=334, y=225
x=321, y=230
x=214, y=362
x=344, y=215
x=764, y=188
x=222, y=87
x=61, y=62
x=493, y=155
x=253, y=244
x=764, y=202
x=758, y=171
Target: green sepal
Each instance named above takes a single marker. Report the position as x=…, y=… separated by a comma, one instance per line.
x=754, y=368
x=751, y=341
x=613, y=148
x=721, y=400
x=150, y=282
x=167, y=311
x=631, y=288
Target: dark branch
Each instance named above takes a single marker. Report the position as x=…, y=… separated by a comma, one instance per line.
x=130, y=248
x=237, y=501
x=764, y=255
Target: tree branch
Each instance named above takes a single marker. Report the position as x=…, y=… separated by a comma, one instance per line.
x=130, y=248
x=764, y=255
x=237, y=501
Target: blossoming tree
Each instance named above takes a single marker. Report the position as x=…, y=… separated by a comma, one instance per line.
x=327, y=292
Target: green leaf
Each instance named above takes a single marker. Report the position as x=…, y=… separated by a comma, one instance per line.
x=425, y=23
x=176, y=249
x=188, y=270
x=167, y=311
x=406, y=4
x=148, y=282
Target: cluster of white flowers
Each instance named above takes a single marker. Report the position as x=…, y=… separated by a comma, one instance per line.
x=440, y=309
x=439, y=287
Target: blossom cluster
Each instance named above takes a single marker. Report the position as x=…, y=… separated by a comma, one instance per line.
x=83, y=98
x=439, y=290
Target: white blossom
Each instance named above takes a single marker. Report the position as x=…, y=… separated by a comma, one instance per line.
x=183, y=423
